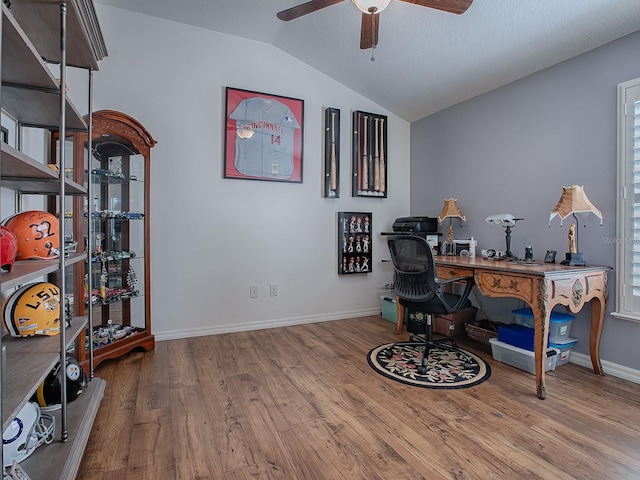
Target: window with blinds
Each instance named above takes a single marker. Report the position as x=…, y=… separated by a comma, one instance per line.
x=628, y=208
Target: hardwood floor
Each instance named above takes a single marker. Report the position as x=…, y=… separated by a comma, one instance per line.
x=301, y=402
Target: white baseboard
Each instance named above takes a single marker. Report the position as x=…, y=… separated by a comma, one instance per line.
x=243, y=327
x=610, y=368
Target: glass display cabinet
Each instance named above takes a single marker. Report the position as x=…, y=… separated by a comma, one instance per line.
x=117, y=284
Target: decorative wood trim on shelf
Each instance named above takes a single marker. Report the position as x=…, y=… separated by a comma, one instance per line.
x=124, y=125
x=140, y=340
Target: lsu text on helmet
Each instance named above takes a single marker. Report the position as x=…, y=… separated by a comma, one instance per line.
x=33, y=309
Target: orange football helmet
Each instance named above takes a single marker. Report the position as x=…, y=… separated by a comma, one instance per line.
x=37, y=232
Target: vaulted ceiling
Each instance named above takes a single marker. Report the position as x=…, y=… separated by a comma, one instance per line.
x=426, y=59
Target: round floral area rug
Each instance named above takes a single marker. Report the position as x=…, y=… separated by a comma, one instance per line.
x=445, y=369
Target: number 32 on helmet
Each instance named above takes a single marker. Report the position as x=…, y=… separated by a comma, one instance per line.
x=37, y=233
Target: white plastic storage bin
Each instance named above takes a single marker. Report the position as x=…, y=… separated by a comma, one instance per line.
x=521, y=358
x=564, y=347
x=559, y=323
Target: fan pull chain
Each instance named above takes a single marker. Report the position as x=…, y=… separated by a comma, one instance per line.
x=373, y=42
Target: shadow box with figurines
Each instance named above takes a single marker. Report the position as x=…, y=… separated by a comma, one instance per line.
x=354, y=242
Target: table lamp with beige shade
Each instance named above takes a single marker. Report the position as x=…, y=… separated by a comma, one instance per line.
x=450, y=210
x=574, y=201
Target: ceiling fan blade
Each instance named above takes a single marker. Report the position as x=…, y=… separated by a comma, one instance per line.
x=369, y=30
x=451, y=6
x=304, y=8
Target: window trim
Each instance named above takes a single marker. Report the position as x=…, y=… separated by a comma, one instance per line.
x=624, y=309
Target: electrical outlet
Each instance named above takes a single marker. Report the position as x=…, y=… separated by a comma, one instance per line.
x=273, y=289
x=253, y=291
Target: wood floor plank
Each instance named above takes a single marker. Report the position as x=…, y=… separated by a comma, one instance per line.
x=261, y=434
x=192, y=440
x=302, y=403
x=149, y=453
x=113, y=425
x=153, y=386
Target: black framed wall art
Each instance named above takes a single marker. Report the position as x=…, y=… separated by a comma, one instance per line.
x=369, y=155
x=354, y=242
x=332, y=152
x=263, y=136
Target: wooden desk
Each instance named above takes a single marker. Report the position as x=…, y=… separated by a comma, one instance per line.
x=542, y=286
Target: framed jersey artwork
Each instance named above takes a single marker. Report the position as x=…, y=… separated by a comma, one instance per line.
x=263, y=136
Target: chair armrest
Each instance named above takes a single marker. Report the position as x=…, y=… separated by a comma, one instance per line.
x=451, y=280
x=442, y=284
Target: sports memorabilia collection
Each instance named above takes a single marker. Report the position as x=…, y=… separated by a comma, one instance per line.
x=332, y=152
x=369, y=155
x=263, y=139
x=354, y=242
x=34, y=309
x=37, y=233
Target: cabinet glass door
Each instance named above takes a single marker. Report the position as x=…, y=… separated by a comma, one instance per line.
x=117, y=266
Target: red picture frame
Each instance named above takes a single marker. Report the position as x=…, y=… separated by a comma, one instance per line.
x=263, y=136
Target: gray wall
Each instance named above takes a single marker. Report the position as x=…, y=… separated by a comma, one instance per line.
x=511, y=150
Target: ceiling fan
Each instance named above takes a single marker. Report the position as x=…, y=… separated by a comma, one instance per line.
x=371, y=13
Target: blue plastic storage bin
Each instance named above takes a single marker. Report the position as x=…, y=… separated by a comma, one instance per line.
x=564, y=347
x=559, y=323
x=516, y=335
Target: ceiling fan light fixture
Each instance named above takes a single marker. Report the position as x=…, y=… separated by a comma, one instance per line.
x=371, y=6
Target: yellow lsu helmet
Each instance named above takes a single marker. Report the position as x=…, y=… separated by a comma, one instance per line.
x=33, y=309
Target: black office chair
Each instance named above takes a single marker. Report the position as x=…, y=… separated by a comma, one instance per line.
x=418, y=289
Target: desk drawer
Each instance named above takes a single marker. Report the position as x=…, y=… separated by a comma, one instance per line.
x=446, y=272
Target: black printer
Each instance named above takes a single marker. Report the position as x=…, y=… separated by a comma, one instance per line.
x=416, y=225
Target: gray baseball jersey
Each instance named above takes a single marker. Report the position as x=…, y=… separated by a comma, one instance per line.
x=269, y=151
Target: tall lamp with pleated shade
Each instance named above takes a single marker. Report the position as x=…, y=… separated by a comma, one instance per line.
x=450, y=210
x=574, y=201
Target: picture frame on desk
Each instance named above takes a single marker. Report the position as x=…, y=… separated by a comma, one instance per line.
x=550, y=256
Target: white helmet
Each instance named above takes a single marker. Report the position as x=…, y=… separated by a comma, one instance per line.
x=27, y=432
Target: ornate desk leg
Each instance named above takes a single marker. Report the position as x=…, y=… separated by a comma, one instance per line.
x=597, y=320
x=400, y=316
x=541, y=328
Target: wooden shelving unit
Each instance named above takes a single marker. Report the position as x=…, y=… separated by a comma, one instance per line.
x=121, y=173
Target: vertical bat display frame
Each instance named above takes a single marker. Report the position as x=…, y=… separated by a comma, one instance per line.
x=355, y=236
x=332, y=152
x=369, y=155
